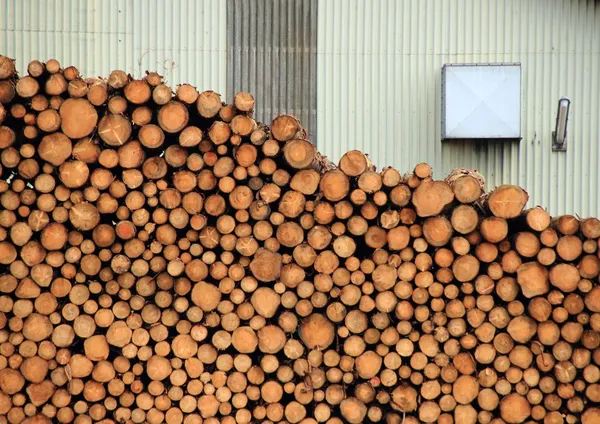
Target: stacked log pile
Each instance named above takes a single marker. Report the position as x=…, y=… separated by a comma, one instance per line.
x=166, y=258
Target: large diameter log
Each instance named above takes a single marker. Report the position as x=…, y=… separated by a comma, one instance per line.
x=533, y=279
x=353, y=163
x=353, y=410
x=208, y=104
x=538, y=219
x=114, y=130
x=78, y=118
x=244, y=102
x=335, y=185
x=467, y=185
x=173, y=117
x=507, y=201
x=55, y=148
x=437, y=231
x=266, y=265
x=432, y=197
x=299, y=154
x=514, y=408
x=7, y=67
x=317, y=331
x=285, y=127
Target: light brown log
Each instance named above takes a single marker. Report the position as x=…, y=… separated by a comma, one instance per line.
x=219, y=132
x=353, y=410
x=369, y=182
x=299, y=154
x=467, y=188
x=334, y=185
x=7, y=67
x=78, y=118
x=566, y=224
x=74, y=174
x=537, y=219
x=173, y=117
x=27, y=87
x=35, y=68
x=533, y=279
x=242, y=125
x=137, y=91
x=353, y=163
x=208, y=104
x=7, y=91
x=465, y=268
x=317, y=331
x=266, y=265
x=569, y=247
x=97, y=93
x=285, y=127
x=514, y=408
x=527, y=244
x=494, y=229
x=114, y=130
x=464, y=219
x=187, y=94
x=432, y=197
x=564, y=276
x=55, y=148
x=244, y=102
x=48, y=120
x=507, y=201
x=437, y=231
x=161, y=94
x=56, y=84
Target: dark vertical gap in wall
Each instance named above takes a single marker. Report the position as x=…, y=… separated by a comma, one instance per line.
x=272, y=53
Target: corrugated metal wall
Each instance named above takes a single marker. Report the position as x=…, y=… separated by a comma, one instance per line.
x=272, y=54
x=184, y=40
x=379, y=65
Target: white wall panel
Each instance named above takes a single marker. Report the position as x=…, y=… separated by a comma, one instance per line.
x=379, y=88
x=184, y=40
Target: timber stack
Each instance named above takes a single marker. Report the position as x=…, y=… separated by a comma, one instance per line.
x=166, y=258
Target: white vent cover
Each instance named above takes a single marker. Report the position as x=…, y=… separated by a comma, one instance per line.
x=481, y=101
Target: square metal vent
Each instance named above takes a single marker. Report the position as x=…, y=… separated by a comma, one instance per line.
x=481, y=101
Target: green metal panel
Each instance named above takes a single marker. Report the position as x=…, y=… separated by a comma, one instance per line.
x=379, y=88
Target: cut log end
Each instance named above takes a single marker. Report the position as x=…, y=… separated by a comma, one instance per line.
x=507, y=201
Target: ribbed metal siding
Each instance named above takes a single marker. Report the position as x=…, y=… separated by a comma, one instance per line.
x=272, y=54
x=184, y=40
x=379, y=65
